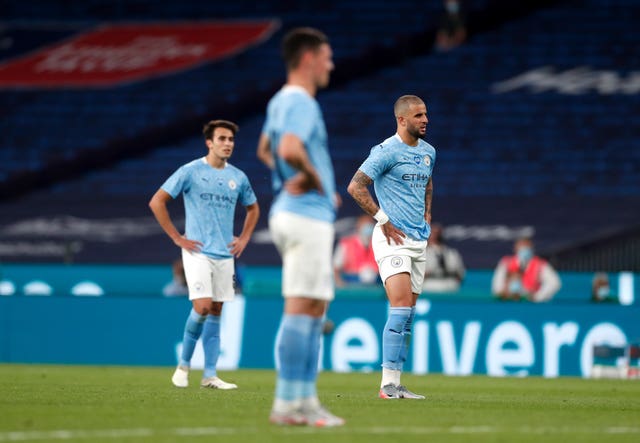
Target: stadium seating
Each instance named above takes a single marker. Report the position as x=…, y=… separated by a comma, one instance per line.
x=494, y=144
x=118, y=113
x=529, y=118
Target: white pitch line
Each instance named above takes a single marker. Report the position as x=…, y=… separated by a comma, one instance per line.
x=68, y=434
x=73, y=434
x=194, y=432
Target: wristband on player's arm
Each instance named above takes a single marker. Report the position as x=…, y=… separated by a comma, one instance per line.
x=381, y=217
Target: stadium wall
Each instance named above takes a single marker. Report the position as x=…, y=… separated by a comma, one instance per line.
x=256, y=281
x=451, y=337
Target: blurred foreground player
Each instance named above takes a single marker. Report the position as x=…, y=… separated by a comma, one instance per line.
x=293, y=144
x=400, y=169
x=211, y=187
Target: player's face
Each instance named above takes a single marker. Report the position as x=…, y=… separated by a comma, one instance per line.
x=416, y=120
x=221, y=143
x=322, y=65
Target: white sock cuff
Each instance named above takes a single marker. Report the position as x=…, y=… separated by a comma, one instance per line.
x=390, y=376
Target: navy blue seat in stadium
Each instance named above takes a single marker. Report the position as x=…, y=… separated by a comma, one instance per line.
x=498, y=141
x=91, y=119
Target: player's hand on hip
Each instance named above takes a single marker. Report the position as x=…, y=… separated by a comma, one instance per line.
x=189, y=245
x=237, y=245
x=393, y=233
x=301, y=183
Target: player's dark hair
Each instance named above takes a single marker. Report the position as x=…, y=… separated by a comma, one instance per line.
x=299, y=40
x=210, y=127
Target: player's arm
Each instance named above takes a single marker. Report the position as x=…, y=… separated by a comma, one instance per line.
x=238, y=244
x=158, y=205
x=428, y=195
x=264, y=153
x=291, y=149
x=359, y=189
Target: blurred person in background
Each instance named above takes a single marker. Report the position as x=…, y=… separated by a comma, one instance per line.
x=601, y=289
x=514, y=290
x=353, y=258
x=524, y=275
x=178, y=285
x=444, y=267
x=452, y=30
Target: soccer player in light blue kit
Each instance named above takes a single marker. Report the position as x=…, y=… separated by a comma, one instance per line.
x=211, y=188
x=400, y=169
x=294, y=144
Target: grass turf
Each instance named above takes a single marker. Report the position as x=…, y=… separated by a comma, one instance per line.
x=46, y=403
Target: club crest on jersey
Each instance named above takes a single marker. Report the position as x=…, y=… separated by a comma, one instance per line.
x=232, y=184
x=427, y=160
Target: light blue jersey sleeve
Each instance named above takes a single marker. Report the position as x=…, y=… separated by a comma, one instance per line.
x=293, y=111
x=378, y=162
x=247, y=196
x=176, y=183
x=276, y=180
x=297, y=119
x=290, y=113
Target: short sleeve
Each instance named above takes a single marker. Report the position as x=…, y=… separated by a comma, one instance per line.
x=176, y=184
x=247, y=196
x=299, y=118
x=376, y=164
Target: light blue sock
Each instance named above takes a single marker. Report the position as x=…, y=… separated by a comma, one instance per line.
x=311, y=370
x=393, y=338
x=407, y=334
x=292, y=350
x=288, y=390
x=211, y=345
x=192, y=331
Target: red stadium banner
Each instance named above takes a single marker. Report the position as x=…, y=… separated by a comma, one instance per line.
x=118, y=53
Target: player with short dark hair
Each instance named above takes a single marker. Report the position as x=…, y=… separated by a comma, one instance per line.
x=210, y=127
x=211, y=188
x=400, y=169
x=294, y=145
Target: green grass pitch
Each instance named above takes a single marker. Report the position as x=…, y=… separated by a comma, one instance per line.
x=46, y=403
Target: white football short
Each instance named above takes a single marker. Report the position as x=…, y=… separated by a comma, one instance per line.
x=306, y=247
x=208, y=277
x=394, y=259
